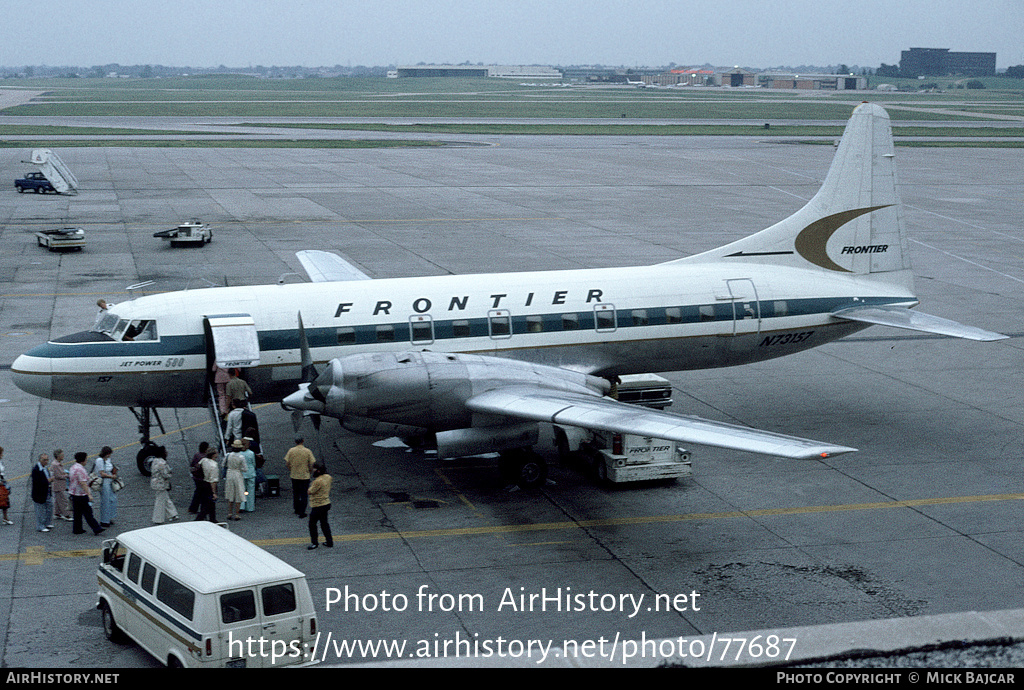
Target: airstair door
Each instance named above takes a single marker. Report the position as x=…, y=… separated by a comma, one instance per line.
x=746, y=309
x=231, y=341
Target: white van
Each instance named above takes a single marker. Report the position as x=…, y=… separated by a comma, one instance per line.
x=195, y=595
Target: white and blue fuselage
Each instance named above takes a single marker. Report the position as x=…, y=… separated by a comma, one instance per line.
x=606, y=322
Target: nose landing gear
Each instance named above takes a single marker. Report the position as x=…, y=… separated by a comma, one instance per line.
x=145, y=417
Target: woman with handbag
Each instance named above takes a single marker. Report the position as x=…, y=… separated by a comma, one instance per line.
x=81, y=496
x=106, y=470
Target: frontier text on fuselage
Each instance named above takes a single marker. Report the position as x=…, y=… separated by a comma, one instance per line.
x=422, y=305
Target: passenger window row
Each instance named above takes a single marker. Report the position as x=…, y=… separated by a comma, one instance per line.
x=499, y=324
x=422, y=329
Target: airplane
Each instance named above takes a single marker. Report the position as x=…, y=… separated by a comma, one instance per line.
x=474, y=364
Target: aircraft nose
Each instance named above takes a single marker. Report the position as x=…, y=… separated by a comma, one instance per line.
x=33, y=375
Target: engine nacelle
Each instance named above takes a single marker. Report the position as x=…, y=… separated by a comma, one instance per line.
x=404, y=393
x=458, y=443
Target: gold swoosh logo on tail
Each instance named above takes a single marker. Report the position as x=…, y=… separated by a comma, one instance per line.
x=811, y=241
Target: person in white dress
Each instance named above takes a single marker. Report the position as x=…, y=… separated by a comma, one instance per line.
x=234, y=481
x=160, y=482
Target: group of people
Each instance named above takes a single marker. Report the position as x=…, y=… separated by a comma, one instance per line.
x=240, y=473
x=311, y=490
x=70, y=494
x=231, y=389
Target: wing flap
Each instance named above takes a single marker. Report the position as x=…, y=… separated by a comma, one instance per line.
x=902, y=317
x=324, y=267
x=605, y=414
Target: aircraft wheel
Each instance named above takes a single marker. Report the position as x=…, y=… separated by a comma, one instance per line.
x=145, y=458
x=524, y=467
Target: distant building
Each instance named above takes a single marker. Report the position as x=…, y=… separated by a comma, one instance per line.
x=812, y=82
x=736, y=77
x=940, y=62
x=609, y=75
x=688, y=77
x=498, y=71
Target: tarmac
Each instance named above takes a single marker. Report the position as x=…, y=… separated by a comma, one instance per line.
x=913, y=541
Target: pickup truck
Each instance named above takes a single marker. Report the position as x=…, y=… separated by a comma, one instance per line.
x=62, y=240
x=194, y=233
x=35, y=181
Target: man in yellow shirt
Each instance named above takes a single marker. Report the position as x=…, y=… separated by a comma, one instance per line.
x=319, y=504
x=299, y=461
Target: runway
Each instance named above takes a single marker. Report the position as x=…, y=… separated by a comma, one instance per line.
x=925, y=519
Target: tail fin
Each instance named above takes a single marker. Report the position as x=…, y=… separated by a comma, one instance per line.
x=854, y=224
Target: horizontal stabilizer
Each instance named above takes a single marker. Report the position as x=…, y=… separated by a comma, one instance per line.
x=325, y=267
x=901, y=317
x=605, y=414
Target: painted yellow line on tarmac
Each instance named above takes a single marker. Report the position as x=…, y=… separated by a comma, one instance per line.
x=34, y=555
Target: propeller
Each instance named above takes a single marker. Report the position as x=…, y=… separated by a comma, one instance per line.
x=309, y=374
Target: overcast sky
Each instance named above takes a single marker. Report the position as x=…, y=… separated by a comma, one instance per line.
x=755, y=33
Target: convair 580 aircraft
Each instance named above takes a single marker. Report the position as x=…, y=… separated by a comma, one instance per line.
x=474, y=363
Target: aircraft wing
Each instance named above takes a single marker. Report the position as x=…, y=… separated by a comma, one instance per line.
x=328, y=267
x=605, y=414
x=901, y=317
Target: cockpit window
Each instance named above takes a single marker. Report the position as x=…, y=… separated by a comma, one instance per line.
x=105, y=323
x=122, y=326
x=125, y=329
x=139, y=330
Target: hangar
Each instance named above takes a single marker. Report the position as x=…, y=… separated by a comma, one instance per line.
x=497, y=71
x=812, y=82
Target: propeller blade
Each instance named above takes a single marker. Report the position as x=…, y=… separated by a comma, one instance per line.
x=309, y=372
x=309, y=375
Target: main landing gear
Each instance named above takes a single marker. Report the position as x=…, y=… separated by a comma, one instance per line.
x=145, y=417
x=524, y=467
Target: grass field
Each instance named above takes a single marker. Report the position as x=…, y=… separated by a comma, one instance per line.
x=246, y=97
x=221, y=143
x=642, y=130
